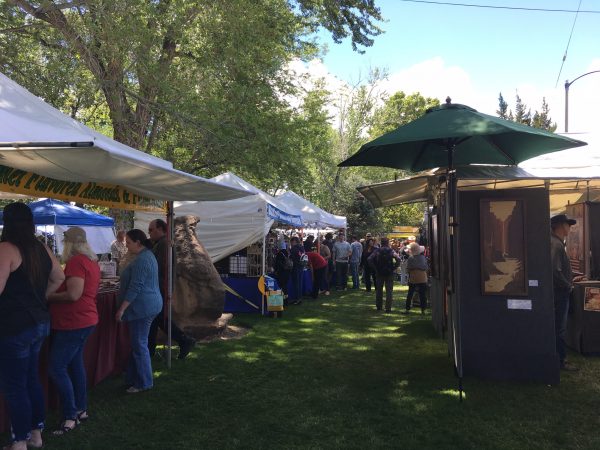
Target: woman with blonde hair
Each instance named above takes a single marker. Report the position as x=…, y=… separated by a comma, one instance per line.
x=74, y=317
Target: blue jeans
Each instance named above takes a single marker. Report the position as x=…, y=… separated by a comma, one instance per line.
x=67, y=370
x=139, y=369
x=355, y=274
x=297, y=282
x=561, y=312
x=341, y=270
x=422, y=288
x=20, y=380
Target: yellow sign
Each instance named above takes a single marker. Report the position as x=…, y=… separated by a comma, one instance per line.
x=405, y=229
x=21, y=182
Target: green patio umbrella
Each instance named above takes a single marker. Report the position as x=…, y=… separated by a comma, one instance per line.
x=449, y=135
x=453, y=134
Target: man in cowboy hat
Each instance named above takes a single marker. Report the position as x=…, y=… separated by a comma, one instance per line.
x=562, y=277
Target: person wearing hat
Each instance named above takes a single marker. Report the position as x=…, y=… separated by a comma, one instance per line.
x=562, y=279
x=28, y=272
x=74, y=317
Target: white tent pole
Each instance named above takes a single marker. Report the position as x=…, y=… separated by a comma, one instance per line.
x=170, y=277
x=264, y=269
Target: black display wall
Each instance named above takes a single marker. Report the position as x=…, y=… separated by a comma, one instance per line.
x=497, y=342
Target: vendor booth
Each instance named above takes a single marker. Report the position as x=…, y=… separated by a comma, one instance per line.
x=236, y=235
x=493, y=277
x=46, y=153
x=53, y=217
x=312, y=215
x=507, y=312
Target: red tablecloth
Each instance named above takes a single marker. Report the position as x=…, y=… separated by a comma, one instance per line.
x=106, y=353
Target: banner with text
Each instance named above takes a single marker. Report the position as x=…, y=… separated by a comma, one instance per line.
x=21, y=182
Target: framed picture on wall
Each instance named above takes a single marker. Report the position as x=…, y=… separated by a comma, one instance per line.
x=592, y=299
x=503, y=247
x=434, y=246
x=576, y=244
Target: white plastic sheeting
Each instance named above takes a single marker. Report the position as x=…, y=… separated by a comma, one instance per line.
x=38, y=138
x=229, y=226
x=99, y=238
x=312, y=215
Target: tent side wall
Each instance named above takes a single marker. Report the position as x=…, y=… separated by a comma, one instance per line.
x=498, y=342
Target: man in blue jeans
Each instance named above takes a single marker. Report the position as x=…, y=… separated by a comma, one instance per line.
x=355, y=258
x=341, y=256
x=562, y=279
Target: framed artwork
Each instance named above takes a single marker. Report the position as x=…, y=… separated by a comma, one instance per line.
x=434, y=246
x=592, y=299
x=576, y=240
x=503, y=247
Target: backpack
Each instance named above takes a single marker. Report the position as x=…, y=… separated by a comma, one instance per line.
x=385, y=262
x=288, y=264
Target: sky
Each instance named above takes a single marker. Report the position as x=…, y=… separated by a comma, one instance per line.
x=472, y=54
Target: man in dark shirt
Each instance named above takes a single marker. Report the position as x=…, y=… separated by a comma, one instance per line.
x=562, y=280
x=158, y=235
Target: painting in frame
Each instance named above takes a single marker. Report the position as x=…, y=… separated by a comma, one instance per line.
x=592, y=299
x=503, y=247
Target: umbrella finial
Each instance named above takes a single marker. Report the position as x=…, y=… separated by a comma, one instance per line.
x=448, y=100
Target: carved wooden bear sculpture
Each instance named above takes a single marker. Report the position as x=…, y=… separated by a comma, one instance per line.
x=199, y=295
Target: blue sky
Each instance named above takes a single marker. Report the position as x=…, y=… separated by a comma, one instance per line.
x=472, y=54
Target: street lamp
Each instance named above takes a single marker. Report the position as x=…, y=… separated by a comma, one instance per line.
x=567, y=85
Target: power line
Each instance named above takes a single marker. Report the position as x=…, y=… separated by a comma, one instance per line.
x=568, y=44
x=518, y=8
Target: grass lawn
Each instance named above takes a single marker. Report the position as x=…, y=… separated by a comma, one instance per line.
x=336, y=373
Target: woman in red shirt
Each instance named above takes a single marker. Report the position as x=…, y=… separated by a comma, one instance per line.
x=73, y=318
x=318, y=267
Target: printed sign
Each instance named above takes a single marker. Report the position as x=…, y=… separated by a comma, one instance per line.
x=28, y=183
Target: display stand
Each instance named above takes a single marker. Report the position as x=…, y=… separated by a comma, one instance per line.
x=583, y=326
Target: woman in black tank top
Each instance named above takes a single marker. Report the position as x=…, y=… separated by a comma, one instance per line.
x=28, y=271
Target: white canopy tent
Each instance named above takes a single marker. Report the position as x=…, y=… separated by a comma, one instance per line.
x=312, y=215
x=38, y=138
x=229, y=226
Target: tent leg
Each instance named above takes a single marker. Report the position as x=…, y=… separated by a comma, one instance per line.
x=170, y=272
x=264, y=270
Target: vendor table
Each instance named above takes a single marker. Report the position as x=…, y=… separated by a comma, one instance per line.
x=583, y=326
x=106, y=353
x=247, y=287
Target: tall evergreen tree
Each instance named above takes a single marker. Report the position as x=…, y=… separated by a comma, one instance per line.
x=542, y=119
x=522, y=113
x=502, y=110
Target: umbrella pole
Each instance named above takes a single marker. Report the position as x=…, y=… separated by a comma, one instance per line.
x=452, y=235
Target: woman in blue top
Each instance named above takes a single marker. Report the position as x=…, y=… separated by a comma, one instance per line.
x=141, y=301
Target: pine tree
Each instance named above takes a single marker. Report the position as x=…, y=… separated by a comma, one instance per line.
x=522, y=114
x=542, y=119
x=502, y=107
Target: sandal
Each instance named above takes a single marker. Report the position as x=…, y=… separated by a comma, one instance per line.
x=82, y=416
x=64, y=429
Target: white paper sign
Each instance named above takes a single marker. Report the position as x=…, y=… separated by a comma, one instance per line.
x=518, y=304
x=533, y=283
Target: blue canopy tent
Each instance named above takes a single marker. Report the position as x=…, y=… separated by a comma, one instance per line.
x=61, y=216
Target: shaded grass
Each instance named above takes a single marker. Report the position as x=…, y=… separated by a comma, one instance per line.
x=336, y=373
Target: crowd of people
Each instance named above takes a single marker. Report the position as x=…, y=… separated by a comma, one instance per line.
x=38, y=298
x=331, y=261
